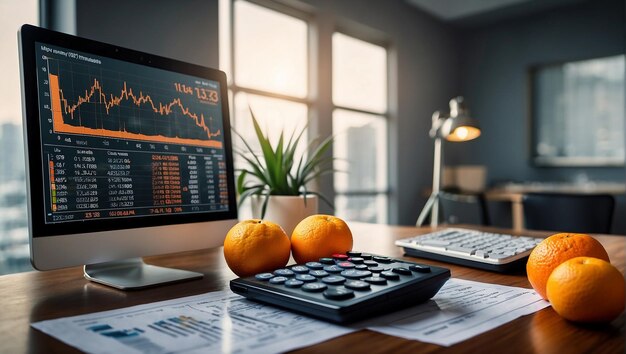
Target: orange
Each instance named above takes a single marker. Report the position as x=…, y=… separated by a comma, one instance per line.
x=256, y=246
x=586, y=289
x=320, y=236
x=555, y=250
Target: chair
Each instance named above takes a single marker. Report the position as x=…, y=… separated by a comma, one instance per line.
x=463, y=208
x=500, y=213
x=582, y=213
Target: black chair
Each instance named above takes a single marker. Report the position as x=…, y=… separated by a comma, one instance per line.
x=582, y=213
x=463, y=208
x=500, y=213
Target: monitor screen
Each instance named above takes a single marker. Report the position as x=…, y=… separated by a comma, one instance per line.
x=123, y=147
x=122, y=140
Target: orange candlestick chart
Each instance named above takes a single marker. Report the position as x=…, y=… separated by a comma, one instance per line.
x=67, y=116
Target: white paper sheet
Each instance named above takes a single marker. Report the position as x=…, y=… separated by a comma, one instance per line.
x=460, y=310
x=227, y=323
x=209, y=323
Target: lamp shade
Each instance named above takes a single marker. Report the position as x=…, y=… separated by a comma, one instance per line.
x=459, y=126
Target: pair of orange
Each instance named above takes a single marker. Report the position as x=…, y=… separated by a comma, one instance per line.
x=256, y=246
x=573, y=272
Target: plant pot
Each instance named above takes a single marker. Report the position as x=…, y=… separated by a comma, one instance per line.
x=285, y=210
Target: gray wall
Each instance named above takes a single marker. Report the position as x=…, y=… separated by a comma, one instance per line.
x=183, y=30
x=494, y=72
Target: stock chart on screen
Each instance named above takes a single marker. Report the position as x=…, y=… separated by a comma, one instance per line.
x=123, y=140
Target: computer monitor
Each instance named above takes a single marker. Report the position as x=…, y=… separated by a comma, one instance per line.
x=128, y=155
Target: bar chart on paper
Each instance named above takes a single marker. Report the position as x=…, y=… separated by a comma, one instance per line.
x=215, y=322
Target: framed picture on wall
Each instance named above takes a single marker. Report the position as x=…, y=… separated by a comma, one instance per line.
x=577, y=112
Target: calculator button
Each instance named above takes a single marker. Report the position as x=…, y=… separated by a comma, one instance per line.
x=283, y=272
x=353, y=254
x=366, y=256
x=338, y=294
x=334, y=280
x=376, y=280
x=356, y=274
x=314, y=265
x=382, y=259
x=340, y=257
x=346, y=265
x=420, y=268
x=360, y=267
x=327, y=260
x=264, y=276
x=389, y=275
x=356, y=285
x=306, y=278
x=375, y=269
x=319, y=273
x=278, y=280
x=314, y=287
x=401, y=271
x=370, y=263
x=356, y=260
x=299, y=269
x=333, y=269
x=293, y=283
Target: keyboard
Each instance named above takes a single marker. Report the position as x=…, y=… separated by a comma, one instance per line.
x=345, y=287
x=479, y=249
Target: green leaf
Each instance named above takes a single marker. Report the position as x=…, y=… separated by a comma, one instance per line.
x=290, y=150
x=316, y=157
x=248, y=193
x=265, y=202
x=240, y=181
x=322, y=197
x=280, y=174
x=257, y=171
x=266, y=148
x=248, y=147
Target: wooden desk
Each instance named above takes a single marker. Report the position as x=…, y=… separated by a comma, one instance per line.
x=35, y=296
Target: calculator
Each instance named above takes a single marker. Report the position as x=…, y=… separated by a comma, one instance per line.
x=345, y=287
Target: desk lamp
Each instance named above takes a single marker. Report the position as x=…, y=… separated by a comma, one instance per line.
x=457, y=126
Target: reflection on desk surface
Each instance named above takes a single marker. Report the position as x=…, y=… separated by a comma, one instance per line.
x=599, y=187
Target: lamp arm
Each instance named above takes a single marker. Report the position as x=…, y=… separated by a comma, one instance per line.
x=432, y=205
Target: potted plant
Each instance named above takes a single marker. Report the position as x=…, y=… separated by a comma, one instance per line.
x=277, y=181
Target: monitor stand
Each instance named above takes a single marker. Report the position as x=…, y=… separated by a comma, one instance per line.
x=133, y=273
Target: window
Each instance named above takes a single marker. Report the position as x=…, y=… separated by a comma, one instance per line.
x=578, y=113
x=14, y=252
x=266, y=62
x=360, y=126
x=265, y=59
x=265, y=51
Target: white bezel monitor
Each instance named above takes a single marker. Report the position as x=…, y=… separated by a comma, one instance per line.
x=128, y=154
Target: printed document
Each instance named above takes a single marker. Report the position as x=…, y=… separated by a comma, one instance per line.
x=228, y=323
x=216, y=322
x=460, y=310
